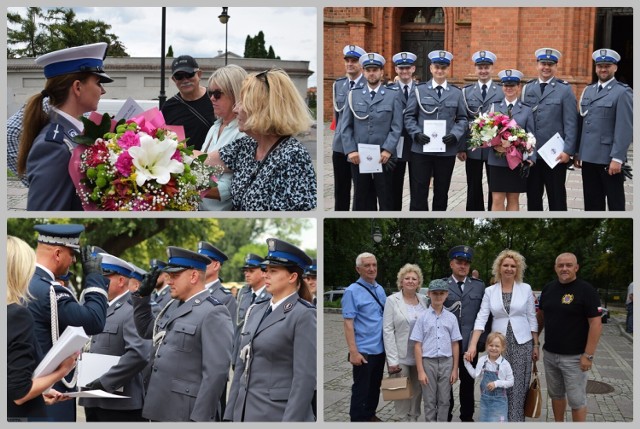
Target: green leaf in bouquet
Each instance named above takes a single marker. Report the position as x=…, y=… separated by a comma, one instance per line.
x=93, y=131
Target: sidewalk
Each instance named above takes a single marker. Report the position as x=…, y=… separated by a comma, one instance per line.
x=458, y=189
x=613, y=365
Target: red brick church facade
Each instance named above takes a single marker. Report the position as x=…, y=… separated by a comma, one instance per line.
x=513, y=34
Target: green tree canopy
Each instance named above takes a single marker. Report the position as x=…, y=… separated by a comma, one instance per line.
x=254, y=47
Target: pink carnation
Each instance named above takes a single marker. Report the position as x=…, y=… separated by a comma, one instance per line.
x=177, y=155
x=124, y=164
x=129, y=139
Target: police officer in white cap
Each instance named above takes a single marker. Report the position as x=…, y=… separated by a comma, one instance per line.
x=554, y=111
x=478, y=98
x=74, y=87
x=373, y=115
x=606, y=108
x=119, y=338
x=405, y=66
x=435, y=100
x=341, y=167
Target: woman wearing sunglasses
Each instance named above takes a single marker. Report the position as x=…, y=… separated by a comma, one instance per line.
x=223, y=90
x=271, y=169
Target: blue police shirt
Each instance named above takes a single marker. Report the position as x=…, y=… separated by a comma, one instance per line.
x=359, y=305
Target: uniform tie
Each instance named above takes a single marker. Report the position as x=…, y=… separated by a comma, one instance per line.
x=509, y=108
x=484, y=91
x=543, y=85
x=351, y=83
x=439, y=89
x=253, y=297
x=461, y=286
x=373, y=94
x=599, y=88
x=406, y=92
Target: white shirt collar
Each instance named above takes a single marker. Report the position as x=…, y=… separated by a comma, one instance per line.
x=488, y=83
x=45, y=269
x=114, y=300
x=604, y=84
x=75, y=121
x=260, y=289
x=435, y=84
x=374, y=89
x=275, y=305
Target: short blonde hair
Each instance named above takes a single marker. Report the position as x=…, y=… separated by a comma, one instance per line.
x=517, y=257
x=410, y=268
x=229, y=79
x=495, y=334
x=273, y=104
x=21, y=264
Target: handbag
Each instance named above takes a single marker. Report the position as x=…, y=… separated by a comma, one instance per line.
x=395, y=388
x=533, y=403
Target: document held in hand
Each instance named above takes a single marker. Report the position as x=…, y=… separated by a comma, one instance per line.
x=71, y=341
x=94, y=365
x=435, y=129
x=369, y=158
x=551, y=149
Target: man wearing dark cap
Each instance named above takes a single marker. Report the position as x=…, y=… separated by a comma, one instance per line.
x=464, y=299
x=192, y=339
x=191, y=106
x=55, y=253
x=607, y=132
x=119, y=338
x=310, y=277
x=212, y=277
x=341, y=167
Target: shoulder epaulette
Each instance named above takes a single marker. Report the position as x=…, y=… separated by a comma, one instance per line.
x=532, y=80
x=395, y=88
x=225, y=290
x=261, y=301
x=213, y=301
x=562, y=81
x=392, y=85
x=622, y=84
x=469, y=85
x=341, y=78
x=55, y=133
x=454, y=86
x=306, y=303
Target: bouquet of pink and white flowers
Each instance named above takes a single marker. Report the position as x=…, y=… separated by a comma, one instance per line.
x=504, y=135
x=137, y=165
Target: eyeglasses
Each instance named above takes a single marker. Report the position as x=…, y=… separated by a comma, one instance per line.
x=216, y=93
x=183, y=75
x=266, y=80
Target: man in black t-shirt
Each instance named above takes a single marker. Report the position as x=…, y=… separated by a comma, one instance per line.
x=191, y=107
x=569, y=312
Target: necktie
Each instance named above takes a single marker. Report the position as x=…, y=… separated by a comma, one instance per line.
x=439, y=89
x=253, y=297
x=509, y=107
x=599, y=88
x=542, y=87
x=460, y=285
x=373, y=94
x=484, y=91
x=406, y=92
x=351, y=83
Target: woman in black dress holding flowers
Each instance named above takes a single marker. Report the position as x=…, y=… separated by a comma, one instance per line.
x=506, y=184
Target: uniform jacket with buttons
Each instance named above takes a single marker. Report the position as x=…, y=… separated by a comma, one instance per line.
x=191, y=364
x=341, y=88
x=380, y=123
x=119, y=338
x=449, y=107
x=470, y=300
x=223, y=295
x=279, y=383
x=554, y=111
x=244, y=302
x=607, y=125
x=475, y=106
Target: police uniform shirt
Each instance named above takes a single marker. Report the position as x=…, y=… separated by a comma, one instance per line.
x=50, y=186
x=424, y=104
x=607, y=124
x=475, y=106
x=465, y=305
x=191, y=363
x=341, y=88
x=119, y=338
x=279, y=380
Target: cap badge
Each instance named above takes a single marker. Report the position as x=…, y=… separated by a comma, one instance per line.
x=507, y=72
x=548, y=52
x=603, y=52
x=442, y=54
x=466, y=248
x=483, y=54
x=272, y=245
x=371, y=56
x=352, y=47
x=403, y=55
x=567, y=298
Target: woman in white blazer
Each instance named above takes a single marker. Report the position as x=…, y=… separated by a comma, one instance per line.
x=511, y=303
x=401, y=310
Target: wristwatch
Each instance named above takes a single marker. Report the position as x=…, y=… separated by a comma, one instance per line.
x=588, y=356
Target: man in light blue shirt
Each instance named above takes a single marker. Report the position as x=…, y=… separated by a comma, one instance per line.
x=362, y=307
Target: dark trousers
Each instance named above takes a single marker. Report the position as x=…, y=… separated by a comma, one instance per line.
x=365, y=391
x=475, y=193
x=422, y=169
x=372, y=190
x=95, y=414
x=542, y=177
x=397, y=184
x=341, y=181
x=599, y=187
x=466, y=391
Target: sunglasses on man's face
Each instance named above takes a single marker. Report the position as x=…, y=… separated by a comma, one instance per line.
x=216, y=93
x=183, y=75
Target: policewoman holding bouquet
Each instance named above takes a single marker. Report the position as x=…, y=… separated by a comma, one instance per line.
x=74, y=87
x=271, y=169
x=506, y=184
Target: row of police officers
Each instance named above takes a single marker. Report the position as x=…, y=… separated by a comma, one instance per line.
x=596, y=131
x=177, y=332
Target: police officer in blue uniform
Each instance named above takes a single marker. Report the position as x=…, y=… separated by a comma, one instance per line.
x=341, y=167
x=435, y=100
x=212, y=278
x=55, y=253
x=478, y=98
x=192, y=342
x=405, y=68
x=275, y=374
x=74, y=86
x=464, y=299
x=373, y=115
x=119, y=338
x=554, y=111
x=606, y=108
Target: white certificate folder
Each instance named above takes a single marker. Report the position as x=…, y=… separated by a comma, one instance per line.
x=71, y=341
x=369, y=158
x=435, y=130
x=93, y=366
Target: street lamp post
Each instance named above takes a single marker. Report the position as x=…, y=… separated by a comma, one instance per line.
x=162, y=97
x=376, y=235
x=224, y=18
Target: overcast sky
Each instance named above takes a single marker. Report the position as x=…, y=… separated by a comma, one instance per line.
x=197, y=31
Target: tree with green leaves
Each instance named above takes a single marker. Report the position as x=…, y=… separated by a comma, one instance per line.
x=254, y=47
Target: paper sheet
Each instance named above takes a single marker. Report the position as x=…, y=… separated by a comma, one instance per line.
x=435, y=129
x=551, y=149
x=369, y=158
x=93, y=365
x=93, y=394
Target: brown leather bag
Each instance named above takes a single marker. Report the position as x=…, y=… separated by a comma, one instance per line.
x=533, y=403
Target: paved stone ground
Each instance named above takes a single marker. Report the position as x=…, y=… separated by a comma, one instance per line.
x=613, y=365
x=458, y=189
